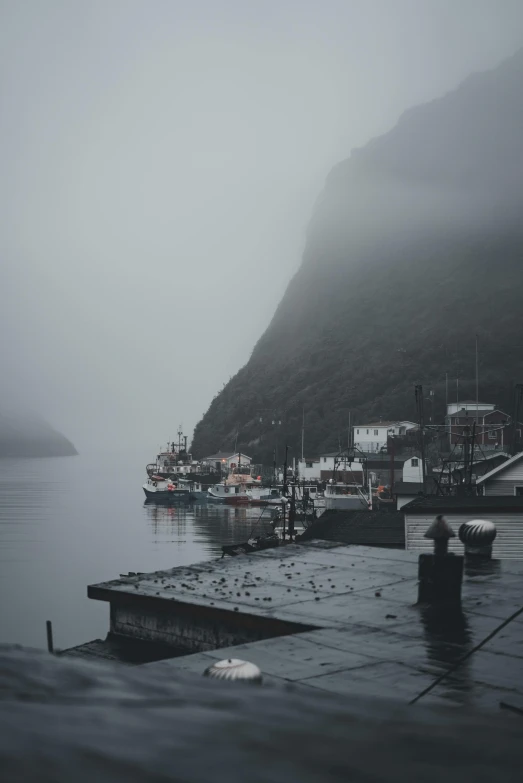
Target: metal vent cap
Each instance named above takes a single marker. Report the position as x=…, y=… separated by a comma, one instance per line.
x=233, y=669
x=477, y=533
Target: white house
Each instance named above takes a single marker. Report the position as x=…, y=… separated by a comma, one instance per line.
x=413, y=470
x=309, y=469
x=373, y=437
x=506, y=479
x=226, y=461
x=411, y=485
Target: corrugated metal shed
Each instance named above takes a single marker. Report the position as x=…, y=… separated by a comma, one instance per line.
x=506, y=513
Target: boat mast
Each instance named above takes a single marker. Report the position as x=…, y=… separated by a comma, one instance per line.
x=302, y=431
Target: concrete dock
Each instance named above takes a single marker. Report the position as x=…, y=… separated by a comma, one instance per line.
x=336, y=618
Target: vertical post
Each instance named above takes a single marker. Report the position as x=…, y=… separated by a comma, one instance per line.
x=292, y=512
x=49, y=628
x=464, y=475
x=370, y=494
x=302, y=431
x=391, y=440
x=421, y=421
x=446, y=391
x=518, y=396
x=283, y=513
x=285, y=487
x=477, y=379
x=473, y=438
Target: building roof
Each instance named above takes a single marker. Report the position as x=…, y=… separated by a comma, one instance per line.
x=384, y=423
x=335, y=618
x=471, y=414
x=377, y=459
x=367, y=528
x=500, y=468
x=440, y=504
x=470, y=402
x=340, y=454
x=456, y=460
x=225, y=455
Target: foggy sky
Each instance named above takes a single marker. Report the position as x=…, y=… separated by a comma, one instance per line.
x=159, y=164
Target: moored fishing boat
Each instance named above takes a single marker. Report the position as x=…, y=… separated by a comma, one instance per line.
x=161, y=490
x=231, y=494
x=346, y=496
x=196, y=490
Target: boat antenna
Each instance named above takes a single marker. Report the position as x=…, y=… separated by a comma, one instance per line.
x=302, y=431
x=477, y=379
x=418, y=393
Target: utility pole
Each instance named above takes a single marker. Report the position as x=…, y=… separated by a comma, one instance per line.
x=464, y=474
x=392, y=454
x=518, y=399
x=418, y=393
x=302, y=432
x=473, y=438
x=477, y=379
x=292, y=512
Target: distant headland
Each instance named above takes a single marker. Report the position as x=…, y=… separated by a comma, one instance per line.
x=30, y=436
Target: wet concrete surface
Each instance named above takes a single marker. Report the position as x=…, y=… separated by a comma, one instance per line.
x=369, y=637
x=64, y=720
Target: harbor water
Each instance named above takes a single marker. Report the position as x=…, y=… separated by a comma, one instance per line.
x=69, y=522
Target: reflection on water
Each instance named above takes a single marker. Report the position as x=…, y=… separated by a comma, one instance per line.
x=210, y=525
x=66, y=523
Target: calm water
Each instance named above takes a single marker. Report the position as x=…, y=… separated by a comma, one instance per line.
x=66, y=523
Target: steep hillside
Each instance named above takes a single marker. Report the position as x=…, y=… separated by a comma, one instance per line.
x=415, y=248
x=28, y=436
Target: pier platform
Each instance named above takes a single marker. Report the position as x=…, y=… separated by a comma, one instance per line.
x=334, y=618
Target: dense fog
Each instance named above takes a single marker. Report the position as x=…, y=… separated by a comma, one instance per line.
x=160, y=162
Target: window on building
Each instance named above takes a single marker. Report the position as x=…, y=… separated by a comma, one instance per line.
x=367, y=432
x=325, y=459
x=415, y=462
x=518, y=491
x=357, y=432
x=492, y=434
x=308, y=464
x=375, y=432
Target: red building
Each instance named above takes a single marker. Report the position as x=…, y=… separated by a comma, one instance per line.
x=493, y=430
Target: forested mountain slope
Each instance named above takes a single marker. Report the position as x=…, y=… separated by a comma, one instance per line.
x=415, y=247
